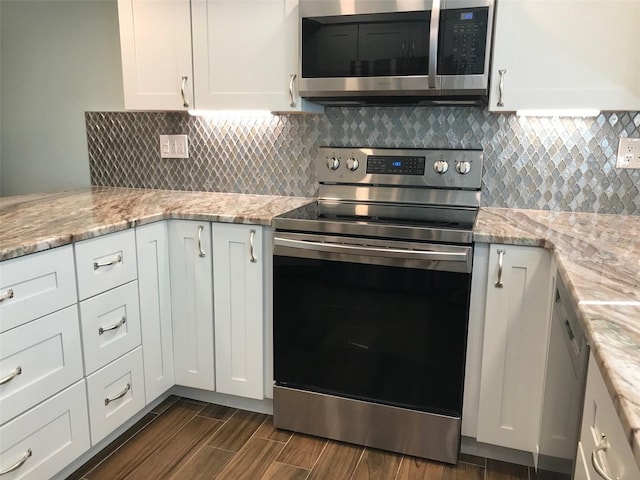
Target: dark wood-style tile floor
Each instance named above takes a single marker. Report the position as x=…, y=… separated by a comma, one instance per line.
x=185, y=439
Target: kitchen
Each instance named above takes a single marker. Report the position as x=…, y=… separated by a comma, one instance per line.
x=524, y=152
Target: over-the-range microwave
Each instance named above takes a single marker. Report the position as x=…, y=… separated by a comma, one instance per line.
x=395, y=51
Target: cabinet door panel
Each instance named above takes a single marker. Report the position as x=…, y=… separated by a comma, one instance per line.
x=553, y=60
x=192, y=303
x=155, y=41
x=152, y=243
x=514, y=350
x=238, y=309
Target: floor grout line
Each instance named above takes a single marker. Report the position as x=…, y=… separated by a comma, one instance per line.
x=357, y=463
x=402, y=457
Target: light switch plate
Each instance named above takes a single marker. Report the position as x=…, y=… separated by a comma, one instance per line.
x=174, y=146
x=628, y=153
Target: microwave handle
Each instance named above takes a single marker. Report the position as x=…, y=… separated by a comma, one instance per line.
x=433, y=43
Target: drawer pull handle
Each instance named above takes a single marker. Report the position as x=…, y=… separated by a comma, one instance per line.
x=19, y=463
x=116, y=260
x=499, y=283
x=17, y=371
x=200, y=252
x=107, y=401
x=6, y=295
x=253, y=258
x=595, y=459
x=122, y=321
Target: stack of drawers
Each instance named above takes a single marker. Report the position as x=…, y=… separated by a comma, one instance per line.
x=110, y=325
x=43, y=404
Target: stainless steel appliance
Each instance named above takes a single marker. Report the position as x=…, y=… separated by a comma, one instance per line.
x=392, y=51
x=371, y=299
x=565, y=379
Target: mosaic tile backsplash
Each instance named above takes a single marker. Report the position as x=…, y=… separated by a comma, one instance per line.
x=539, y=163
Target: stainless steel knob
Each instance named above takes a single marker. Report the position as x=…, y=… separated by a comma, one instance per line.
x=463, y=167
x=352, y=164
x=441, y=167
x=333, y=163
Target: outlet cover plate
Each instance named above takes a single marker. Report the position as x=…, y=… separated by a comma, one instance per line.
x=628, y=153
x=174, y=146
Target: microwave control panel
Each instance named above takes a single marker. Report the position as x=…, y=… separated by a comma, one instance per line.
x=463, y=39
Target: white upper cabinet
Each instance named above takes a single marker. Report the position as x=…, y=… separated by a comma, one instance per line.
x=211, y=55
x=155, y=41
x=566, y=54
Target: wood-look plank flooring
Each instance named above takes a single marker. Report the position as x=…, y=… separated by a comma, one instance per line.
x=184, y=439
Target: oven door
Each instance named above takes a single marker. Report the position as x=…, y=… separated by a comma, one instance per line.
x=380, y=323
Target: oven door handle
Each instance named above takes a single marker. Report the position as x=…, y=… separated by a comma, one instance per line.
x=371, y=251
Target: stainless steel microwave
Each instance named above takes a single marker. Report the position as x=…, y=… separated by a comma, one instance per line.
x=395, y=51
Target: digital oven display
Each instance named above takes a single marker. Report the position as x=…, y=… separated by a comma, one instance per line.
x=392, y=165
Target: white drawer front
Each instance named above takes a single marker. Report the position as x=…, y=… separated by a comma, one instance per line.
x=56, y=432
x=48, y=356
x=116, y=393
x=105, y=262
x=110, y=324
x=35, y=285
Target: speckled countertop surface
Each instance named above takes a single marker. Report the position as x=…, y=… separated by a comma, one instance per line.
x=598, y=257
x=32, y=223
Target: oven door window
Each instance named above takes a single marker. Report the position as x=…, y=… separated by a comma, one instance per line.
x=383, y=334
x=372, y=45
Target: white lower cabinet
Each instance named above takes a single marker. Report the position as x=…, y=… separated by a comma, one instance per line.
x=37, y=360
x=47, y=438
x=603, y=443
x=238, y=293
x=517, y=316
x=192, y=303
x=152, y=243
x=115, y=393
x=110, y=324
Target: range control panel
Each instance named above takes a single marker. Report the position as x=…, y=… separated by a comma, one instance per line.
x=437, y=168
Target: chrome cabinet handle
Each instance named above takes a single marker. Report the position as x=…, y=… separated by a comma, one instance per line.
x=502, y=71
x=6, y=295
x=16, y=371
x=97, y=265
x=499, y=283
x=253, y=258
x=200, y=252
x=595, y=460
x=107, y=401
x=122, y=321
x=292, y=78
x=19, y=463
x=185, y=104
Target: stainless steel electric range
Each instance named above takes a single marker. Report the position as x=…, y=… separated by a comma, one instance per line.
x=371, y=299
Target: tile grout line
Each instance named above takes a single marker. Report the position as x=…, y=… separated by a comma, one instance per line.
x=357, y=463
x=395, y=477
x=326, y=443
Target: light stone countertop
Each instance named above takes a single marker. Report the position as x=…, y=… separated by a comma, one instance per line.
x=598, y=257
x=32, y=223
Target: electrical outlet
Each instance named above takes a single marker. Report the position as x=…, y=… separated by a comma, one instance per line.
x=628, y=153
x=174, y=146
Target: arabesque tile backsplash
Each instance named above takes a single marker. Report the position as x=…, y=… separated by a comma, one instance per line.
x=530, y=162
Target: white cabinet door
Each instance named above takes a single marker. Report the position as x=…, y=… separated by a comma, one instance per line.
x=600, y=419
x=514, y=348
x=192, y=303
x=238, y=293
x=245, y=55
x=152, y=244
x=155, y=41
x=566, y=54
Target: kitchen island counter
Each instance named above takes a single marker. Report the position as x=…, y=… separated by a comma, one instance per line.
x=598, y=258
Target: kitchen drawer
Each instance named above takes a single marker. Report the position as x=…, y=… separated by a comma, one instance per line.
x=48, y=356
x=600, y=418
x=105, y=262
x=56, y=432
x=110, y=324
x=115, y=393
x=35, y=285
